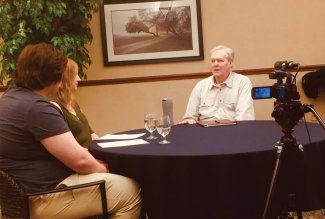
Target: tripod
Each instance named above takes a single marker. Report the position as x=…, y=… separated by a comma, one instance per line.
x=287, y=112
x=287, y=147
x=287, y=115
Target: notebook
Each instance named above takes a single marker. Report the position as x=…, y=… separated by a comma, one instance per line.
x=210, y=123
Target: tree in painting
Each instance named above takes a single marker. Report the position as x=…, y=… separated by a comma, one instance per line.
x=174, y=20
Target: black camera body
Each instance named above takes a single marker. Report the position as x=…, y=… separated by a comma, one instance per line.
x=281, y=91
x=288, y=109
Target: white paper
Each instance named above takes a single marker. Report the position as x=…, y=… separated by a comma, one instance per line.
x=122, y=143
x=121, y=136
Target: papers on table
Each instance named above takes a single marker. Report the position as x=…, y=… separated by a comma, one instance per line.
x=122, y=143
x=128, y=140
x=121, y=136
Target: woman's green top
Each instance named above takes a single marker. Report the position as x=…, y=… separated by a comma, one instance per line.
x=78, y=125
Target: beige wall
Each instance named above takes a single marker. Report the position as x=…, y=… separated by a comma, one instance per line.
x=260, y=32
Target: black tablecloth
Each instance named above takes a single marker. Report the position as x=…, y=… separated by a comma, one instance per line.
x=221, y=172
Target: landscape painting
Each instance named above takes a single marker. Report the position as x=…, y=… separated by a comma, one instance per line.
x=147, y=32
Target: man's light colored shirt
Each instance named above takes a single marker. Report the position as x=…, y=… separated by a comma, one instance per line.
x=230, y=100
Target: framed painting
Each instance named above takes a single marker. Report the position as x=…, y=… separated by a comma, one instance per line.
x=135, y=32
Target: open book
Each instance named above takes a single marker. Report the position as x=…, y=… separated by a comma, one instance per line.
x=209, y=123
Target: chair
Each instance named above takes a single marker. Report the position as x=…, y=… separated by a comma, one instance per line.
x=14, y=200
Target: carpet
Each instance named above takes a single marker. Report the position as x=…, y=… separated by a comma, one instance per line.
x=317, y=214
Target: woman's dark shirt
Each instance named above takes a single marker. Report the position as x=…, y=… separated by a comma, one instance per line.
x=78, y=125
x=25, y=119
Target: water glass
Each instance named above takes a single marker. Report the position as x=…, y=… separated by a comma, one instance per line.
x=150, y=124
x=163, y=128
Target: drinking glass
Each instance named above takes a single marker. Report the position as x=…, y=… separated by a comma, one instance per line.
x=150, y=124
x=163, y=128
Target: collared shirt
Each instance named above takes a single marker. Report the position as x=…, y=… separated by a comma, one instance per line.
x=230, y=100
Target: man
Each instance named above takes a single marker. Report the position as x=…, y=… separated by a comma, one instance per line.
x=38, y=150
x=225, y=95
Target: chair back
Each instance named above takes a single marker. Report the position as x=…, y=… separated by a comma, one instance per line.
x=14, y=200
x=12, y=197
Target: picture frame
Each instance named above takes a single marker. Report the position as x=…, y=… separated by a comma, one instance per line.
x=144, y=31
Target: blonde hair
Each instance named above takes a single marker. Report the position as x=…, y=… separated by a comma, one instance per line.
x=229, y=52
x=67, y=89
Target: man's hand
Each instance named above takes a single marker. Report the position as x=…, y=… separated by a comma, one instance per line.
x=184, y=122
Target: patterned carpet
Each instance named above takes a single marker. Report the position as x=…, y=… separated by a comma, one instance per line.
x=318, y=214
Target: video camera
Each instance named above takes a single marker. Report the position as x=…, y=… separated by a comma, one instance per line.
x=288, y=109
x=281, y=91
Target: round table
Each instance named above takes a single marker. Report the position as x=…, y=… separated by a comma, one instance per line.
x=220, y=172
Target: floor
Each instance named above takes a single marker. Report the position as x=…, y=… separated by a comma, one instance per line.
x=318, y=214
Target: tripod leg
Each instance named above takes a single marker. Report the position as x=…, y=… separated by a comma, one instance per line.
x=299, y=215
x=273, y=182
x=292, y=205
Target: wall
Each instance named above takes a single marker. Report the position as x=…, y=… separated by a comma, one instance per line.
x=260, y=32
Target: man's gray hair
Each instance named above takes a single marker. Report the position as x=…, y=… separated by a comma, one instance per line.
x=230, y=53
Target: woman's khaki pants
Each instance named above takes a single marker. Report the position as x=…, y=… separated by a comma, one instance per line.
x=123, y=199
